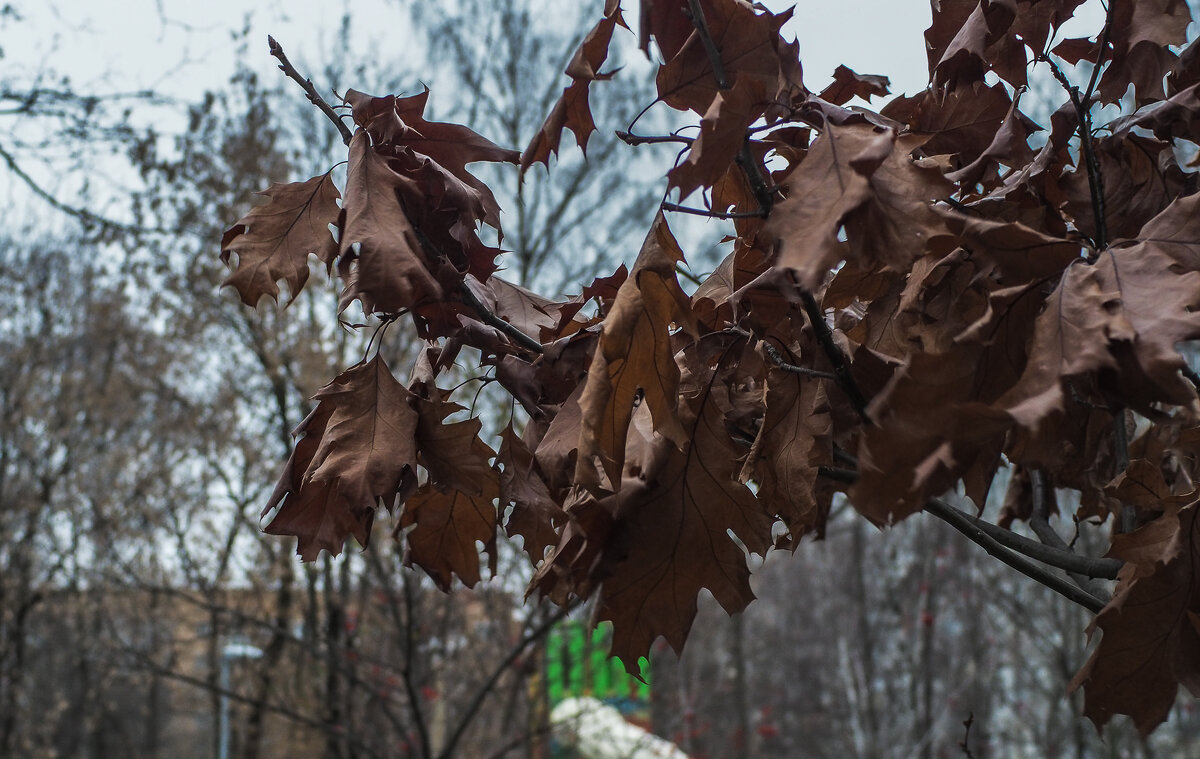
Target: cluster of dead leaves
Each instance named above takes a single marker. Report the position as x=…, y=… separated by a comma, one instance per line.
x=919, y=290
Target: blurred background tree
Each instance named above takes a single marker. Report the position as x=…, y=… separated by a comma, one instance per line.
x=143, y=613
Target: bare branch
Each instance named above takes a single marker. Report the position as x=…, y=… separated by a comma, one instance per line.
x=313, y=96
x=84, y=215
x=636, y=139
x=972, y=530
x=711, y=214
x=1059, y=557
x=710, y=45
x=793, y=368
x=1039, y=522
x=515, y=653
x=841, y=367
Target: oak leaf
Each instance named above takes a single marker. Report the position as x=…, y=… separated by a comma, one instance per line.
x=847, y=85
x=535, y=516
x=668, y=23
x=859, y=178
x=357, y=449
x=274, y=240
x=446, y=524
x=1126, y=312
x=456, y=507
x=634, y=355
x=1137, y=45
x=572, y=111
x=792, y=443
x=381, y=257
x=753, y=55
x=667, y=533
x=1150, y=642
x=722, y=134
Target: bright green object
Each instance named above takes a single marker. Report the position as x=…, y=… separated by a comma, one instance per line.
x=577, y=664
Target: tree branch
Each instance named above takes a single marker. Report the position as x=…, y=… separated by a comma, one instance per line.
x=1059, y=556
x=841, y=367
x=793, y=368
x=84, y=215
x=1039, y=522
x=313, y=96
x=711, y=214
x=636, y=139
x=1011, y=548
x=710, y=45
x=964, y=524
x=469, y=713
x=482, y=311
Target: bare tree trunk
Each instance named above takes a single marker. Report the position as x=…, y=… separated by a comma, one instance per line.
x=272, y=655
x=866, y=639
x=741, y=706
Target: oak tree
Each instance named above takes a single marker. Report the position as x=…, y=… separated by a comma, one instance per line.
x=916, y=298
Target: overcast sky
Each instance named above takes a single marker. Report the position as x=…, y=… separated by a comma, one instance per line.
x=185, y=47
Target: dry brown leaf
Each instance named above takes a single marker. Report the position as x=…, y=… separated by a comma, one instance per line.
x=358, y=449
x=634, y=356
x=1150, y=642
x=274, y=240
x=380, y=255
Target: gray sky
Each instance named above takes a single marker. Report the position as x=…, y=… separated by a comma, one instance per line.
x=187, y=46
x=184, y=47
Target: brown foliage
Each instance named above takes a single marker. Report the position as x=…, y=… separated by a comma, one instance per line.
x=916, y=299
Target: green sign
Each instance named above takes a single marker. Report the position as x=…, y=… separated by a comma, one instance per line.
x=577, y=664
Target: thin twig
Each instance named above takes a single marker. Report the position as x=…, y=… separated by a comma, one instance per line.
x=763, y=193
x=793, y=368
x=472, y=709
x=1104, y=35
x=682, y=271
x=84, y=215
x=837, y=474
x=313, y=96
x=1095, y=180
x=711, y=214
x=636, y=139
x=965, y=744
x=710, y=45
x=841, y=367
